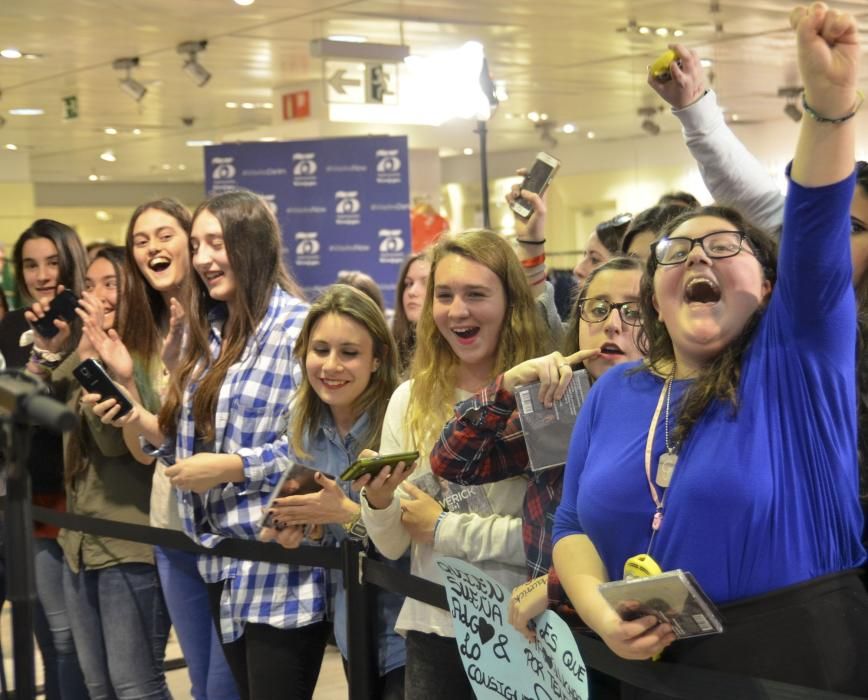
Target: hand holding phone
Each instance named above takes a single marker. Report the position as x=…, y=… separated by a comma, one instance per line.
x=537, y=180
x=95, y=380
x=62, y=307
x=373, y=465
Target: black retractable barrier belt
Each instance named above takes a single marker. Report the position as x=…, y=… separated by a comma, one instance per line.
x=327, y=557
x=673, y=680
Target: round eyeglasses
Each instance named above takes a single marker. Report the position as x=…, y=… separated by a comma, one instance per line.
x=595, y=310
x=717, y=244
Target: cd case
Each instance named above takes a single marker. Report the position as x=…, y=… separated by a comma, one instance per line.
x=673, y=596
x=547, y=431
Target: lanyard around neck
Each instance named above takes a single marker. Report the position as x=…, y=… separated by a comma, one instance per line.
x=659, y=501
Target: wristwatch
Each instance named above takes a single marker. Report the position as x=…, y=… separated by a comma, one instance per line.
x=355, y=528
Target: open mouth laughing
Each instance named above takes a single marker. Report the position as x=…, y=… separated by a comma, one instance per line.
x=701, y=290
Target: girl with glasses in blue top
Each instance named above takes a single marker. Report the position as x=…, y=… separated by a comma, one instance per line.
x=746, y=472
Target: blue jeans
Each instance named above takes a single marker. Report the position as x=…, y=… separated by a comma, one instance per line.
x=120, y=626
x=63, y=676
x=187, y=600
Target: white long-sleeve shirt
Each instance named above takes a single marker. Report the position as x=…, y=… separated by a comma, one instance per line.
x=491, y=542
x=731, y=173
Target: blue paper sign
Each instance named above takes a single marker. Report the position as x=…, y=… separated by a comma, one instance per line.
x=499, y=661
x=343, y=204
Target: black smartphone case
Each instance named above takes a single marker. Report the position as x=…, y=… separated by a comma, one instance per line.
x=95, y=380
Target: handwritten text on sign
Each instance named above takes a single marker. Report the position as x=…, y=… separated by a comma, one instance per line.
x=499, y=661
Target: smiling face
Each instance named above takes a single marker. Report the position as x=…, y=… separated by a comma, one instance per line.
x=102, y=281
x=339, y=364
x=161, y=250
x=595, y=255
x=469, y=307
x=40, y=264
x=616, y=339
x=210, y=259
x=415, y=284
x=706, y=302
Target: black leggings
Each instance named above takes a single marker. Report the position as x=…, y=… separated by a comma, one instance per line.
x=434, y=669
x=270, y=663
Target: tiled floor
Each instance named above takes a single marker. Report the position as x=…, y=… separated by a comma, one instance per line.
x=332, y=684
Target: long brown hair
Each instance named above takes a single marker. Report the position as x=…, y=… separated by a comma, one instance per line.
x=307, y=408
x=142, y=331
x=403, y=329
x=718, y=380
x=253, y=246
x=523, y=334
x=80, y=439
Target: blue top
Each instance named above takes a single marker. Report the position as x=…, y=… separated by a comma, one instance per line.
x=761, y=499
x=332, y=455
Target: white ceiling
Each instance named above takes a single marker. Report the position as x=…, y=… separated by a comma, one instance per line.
x=565, y=58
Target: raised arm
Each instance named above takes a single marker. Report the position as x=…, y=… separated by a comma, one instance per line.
x=731, y=173
x=828, y=51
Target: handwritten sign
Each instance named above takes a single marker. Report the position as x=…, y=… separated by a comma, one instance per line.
x=499, y=661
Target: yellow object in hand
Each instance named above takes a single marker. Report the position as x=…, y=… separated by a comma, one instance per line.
x=660, y=68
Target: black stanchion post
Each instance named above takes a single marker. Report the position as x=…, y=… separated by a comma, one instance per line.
x=482, y=130
x=361, y=628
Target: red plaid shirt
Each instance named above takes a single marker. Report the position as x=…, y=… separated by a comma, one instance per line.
x=484, y=443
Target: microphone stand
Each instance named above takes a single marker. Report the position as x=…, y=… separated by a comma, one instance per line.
x=22, y=406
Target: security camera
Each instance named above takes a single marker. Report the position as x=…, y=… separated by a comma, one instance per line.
x=188, y=121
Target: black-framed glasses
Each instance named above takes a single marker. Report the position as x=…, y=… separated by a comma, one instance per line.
x=717, y=244
x=595, y=310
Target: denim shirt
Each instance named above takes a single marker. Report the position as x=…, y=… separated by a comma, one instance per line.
x=332, y=455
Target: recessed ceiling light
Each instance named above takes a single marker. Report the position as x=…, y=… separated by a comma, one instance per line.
x=706, y=62
x=268, y=139
x=267, y=105
x=244, y=3
x=166, y=166
x=591, y=135
x=10, y=53
x=468, y=151
x=193, y=143
x=31, y=56
x=137, y=132
x=544, y=117
x=678, y=32
x=110, y=130
x=108, y=156
x=232, y=105
x=569, y=128
x=93, y=177
x=27, y=111
x=644, y=30
x=11, y=147
x=533, y=116
x=103, y=215
x=181, y=166
x=735, y=117
x=349, y=38
x=662, y=31
x=248, y=105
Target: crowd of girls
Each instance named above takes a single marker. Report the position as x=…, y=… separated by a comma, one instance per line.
x=236, y=379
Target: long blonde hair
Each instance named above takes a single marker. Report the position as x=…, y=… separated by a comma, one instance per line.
x=522, y=334
x=307, y=408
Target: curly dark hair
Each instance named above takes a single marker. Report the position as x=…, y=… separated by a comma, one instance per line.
x=719, y=379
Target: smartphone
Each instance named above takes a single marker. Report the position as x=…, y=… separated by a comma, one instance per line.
x=373, y=465
x=95, y=380
x=305, y=483
x=660, y=68
x=537, y=180
x=63, y=306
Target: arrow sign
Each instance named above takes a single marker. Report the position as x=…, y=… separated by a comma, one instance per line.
x=338, y=82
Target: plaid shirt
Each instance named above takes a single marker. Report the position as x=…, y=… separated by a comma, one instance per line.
x=484, y=443
x=250, y=421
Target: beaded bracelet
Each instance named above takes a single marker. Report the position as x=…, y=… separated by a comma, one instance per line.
x=860, y=98
x=45, y=358
x=525, y=241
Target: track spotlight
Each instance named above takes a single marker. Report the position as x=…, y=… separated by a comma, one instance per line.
x=791, y=109
x=650, y=127
x=197, y=72
x=131, y=87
